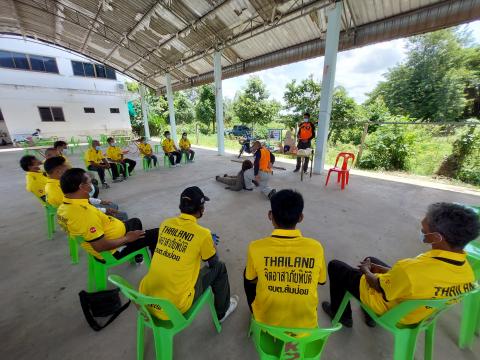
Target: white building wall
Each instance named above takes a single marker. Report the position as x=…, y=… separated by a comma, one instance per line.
x=22, y=92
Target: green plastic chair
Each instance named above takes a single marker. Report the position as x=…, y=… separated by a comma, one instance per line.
x=163, y=330
x=166, y=162
x=89, y=140
x=273, y=342
x=51, y=213
x=157, y=148
x=405, y=336
x=147, y=165
x=73, y=245
x=184, y=158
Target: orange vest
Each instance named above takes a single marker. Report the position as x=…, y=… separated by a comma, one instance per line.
x=306, y=131
x=265, y=164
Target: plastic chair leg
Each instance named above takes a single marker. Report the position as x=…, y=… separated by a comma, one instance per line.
x=328, y=177
x=140, y=337
x=429, y=341
x=73, y=246
x=163, y=344
x=405, y=343
x=100, y=276
x=343, y=179
x=166, y=162
x=91, y=274
x=470, y=321
x=216, y=322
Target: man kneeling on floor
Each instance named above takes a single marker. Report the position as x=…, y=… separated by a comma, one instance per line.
x=438, y=273
x=284, y=269
x=175, y=272
x=100, y=231
x=261, y=172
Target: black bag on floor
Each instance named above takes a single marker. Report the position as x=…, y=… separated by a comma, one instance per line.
x=101, y=304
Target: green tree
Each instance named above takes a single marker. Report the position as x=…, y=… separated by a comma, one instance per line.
x=430, y=84
x=302, y=97
x=205, y=107
x=253, y=106
x=184, y=109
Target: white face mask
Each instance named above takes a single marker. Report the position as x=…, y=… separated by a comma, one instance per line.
x=98, y=148
x=92, y=190
x=168, y=136
x=422, y=238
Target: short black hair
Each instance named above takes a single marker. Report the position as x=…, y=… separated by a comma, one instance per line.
x=72, y=179
x=50, y=164
x=110, y=139
x=26, y=161
x=456, y=223
x=306, y=114
x=59, y=143
x=287, y=207
x=184, y=133
x=166, y=132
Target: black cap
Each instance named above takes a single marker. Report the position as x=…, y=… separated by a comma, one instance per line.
x=193, y=196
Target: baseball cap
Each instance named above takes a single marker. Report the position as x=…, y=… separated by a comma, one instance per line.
x=193, y=196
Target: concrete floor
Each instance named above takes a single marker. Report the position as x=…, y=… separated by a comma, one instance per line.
x=41, y=316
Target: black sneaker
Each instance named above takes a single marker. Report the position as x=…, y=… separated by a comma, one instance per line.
x=271, y=193
x=296, y=170
x=139, y=259
x=368, y=320
x=328, y=310
x=105, y=186
x=255, y=182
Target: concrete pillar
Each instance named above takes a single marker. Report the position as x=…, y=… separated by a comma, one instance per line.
x=334, y=18
x=217, y=73
x=144, y=112
x=171, y=109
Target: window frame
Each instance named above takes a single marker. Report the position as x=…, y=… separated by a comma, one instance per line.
x=51, y=113
x=116, y=111
x=29, y=62
x=107, y=70
x=89, y=110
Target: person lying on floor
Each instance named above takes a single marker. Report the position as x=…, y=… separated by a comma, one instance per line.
x=283, y=270
x=235, y=182
x=55, y=168
x=101, y=232
x=441, y=272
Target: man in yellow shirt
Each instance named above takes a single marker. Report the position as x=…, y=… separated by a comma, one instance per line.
x=96, y=161
x=442, y=272
x=186, y=147
x=115, y=155
x=100, y=231
x=284, y=270
x=35, y=179
x=61, y=147
x=146, y=151
x=170, y=149
x=175, y=272
x=55, y=168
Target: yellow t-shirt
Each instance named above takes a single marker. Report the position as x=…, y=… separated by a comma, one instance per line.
x=35, y=183
x=184, y=144
x=181, y=246
x=435, y=274
x=54, y=192
x=145, y=148
x=78, y=217
x=288, y=267
x=94, y=155
x=114, y=153
x=168, y=145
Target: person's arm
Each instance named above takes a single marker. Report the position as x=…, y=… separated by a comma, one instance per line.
x=102, y=244
x=272, y=158
x=313, y=131
x=372, y=279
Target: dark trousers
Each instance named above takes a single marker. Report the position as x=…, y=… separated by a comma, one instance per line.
x=150, y=239
x=114, y=169
x=190, y=154
x=173, y=155
x=100, y=171
x=149, y=160
x=345, y=278
x=303, y=145
x=131, y=165
x=215, y=276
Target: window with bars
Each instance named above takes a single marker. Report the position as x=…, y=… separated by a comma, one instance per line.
x=86, y=69
x=89, y=110
x=14, y=60
x=114, y=110
x=51, y=113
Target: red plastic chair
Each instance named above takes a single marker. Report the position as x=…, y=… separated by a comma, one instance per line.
x=343, y=173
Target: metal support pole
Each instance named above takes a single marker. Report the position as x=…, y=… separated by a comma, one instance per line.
x=330, y=63
x=171, y=109
x=217, y=73
x=144, y=112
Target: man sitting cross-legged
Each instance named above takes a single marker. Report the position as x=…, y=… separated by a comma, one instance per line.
x=96, y=161
x=441, y=272
x=115, y=155
x=146, y=151
x=101, y=232
x=175, y=270
x=55, y=168
x=170, y=150
x=284, y=269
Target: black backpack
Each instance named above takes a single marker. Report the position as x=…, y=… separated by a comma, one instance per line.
x=101, y=304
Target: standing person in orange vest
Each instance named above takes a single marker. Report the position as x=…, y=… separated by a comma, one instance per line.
x=306, y=132
x=261, y=172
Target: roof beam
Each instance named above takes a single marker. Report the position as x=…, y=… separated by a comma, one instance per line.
x=92, y=25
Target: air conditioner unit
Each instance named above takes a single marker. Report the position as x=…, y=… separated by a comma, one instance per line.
x=120, y=87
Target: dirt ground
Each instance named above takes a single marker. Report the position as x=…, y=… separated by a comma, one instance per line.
x=41, y=316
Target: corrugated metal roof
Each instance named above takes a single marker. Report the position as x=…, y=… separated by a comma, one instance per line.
x=145, y=39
